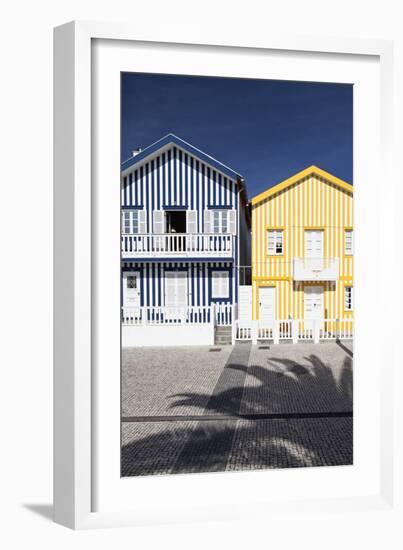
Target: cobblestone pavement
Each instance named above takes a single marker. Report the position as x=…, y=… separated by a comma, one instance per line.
x=156, y=381
x=241, y=408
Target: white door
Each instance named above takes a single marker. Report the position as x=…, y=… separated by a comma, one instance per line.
x=175, y=294
x=245, y=303
x=313, y=304
x=267, y=304
x=131, y=291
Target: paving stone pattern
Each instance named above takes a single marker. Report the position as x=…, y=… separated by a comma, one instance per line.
x=169, y=381
x=202, y=401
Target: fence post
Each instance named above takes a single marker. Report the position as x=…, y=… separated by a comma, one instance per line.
x=294, y=329
x=276, y=332
x=254, y=331
x=233, y=332
x=316, y=331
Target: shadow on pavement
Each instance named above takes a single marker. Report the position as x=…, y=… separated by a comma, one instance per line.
x=241, y=443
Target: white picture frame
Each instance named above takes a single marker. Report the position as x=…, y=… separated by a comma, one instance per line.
x=81, y=480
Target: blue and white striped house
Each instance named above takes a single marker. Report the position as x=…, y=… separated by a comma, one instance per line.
x=185, y=234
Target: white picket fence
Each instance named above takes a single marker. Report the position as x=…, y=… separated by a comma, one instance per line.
x=219, y=314
x=224, y=314
x=295, y=330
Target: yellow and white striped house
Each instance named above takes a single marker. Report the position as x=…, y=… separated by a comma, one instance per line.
x=302, y=251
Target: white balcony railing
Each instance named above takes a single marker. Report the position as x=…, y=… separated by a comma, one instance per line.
x=315, y=269
x=177, y=245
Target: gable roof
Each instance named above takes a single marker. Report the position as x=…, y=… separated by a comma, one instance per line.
x=175, y=140
x=300, y=175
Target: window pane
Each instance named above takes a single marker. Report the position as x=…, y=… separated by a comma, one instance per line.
x=131, y=282
x=220, y=284
x=135, y=217
x=216, y=222
x=126, y=221
x=275, y=241
x=348, y=298
x=348, y=241
x=279, y=242
x=224, y=218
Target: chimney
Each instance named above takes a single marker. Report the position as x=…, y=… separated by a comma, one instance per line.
x=136, y=151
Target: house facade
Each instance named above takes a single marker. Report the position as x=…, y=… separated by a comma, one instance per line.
x=302, y=258
x=185, y=232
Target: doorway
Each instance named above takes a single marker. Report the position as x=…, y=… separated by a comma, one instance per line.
x=267, y=304
x=313, y=304
x=132, y=291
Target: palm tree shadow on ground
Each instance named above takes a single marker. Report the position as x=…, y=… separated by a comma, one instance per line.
x=239, y=443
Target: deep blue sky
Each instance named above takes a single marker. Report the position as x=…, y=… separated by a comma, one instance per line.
x=266, y=130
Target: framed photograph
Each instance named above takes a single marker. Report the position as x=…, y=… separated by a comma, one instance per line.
x=221, y=243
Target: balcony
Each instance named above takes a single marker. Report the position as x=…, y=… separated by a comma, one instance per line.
x=315, y=269
x=177, y=245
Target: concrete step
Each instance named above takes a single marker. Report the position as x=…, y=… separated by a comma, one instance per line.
x=223, y=330
x=223, y=335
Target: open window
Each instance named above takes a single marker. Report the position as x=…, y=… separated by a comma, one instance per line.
x=175, y=221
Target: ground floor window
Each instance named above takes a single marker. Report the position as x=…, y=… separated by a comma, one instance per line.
x=220, y=284
x=348, y=298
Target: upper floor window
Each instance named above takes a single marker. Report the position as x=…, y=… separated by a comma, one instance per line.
x=133, y=221
x=220, y=221
x=275, y=242
x=348, y=241
x=348, y=298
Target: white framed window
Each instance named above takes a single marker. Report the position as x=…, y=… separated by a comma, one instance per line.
x=275, y=242
x=133, y=221
x=220, y=221
x=220, y=284
x=348, y=241
x=348, y=298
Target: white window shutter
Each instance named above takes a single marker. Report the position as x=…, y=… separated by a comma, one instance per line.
x=158, y=219
x=232, y=221
x=142, y=222
x=191, y=221
x=208, y=218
